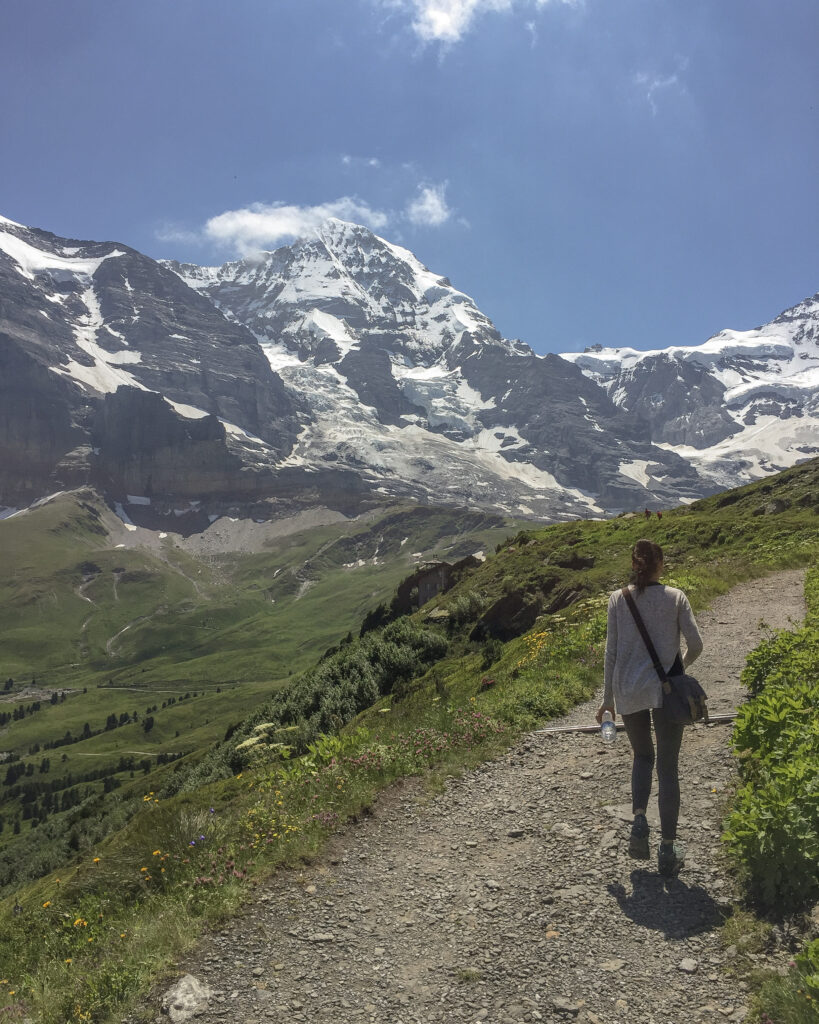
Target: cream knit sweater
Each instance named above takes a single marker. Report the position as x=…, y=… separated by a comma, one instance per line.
x=631, y=682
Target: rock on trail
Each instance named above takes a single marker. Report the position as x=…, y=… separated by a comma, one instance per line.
x=510, y=896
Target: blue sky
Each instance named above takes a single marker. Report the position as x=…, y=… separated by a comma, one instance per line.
x=629, y=172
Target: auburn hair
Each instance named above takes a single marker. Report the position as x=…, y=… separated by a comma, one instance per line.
x=645, y=557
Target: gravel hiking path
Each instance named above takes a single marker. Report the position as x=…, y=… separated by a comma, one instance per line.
x=510, y=896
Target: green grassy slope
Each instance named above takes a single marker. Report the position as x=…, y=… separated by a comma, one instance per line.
x=517, y=640
x=172, y=645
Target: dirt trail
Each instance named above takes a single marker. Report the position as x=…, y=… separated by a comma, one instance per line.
x=510, y=896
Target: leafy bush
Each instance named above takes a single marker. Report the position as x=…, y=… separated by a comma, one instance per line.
x=492, y=652
x=466, y=607
x=774, y=826
x=326, y=697
x=784, y=655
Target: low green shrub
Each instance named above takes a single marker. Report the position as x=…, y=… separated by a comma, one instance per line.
x=784, y=656
x=773, y=829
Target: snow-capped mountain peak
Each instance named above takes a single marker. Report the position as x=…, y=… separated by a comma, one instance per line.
x=742, y=403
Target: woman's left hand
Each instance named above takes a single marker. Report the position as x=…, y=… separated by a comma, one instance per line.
x=604, y=708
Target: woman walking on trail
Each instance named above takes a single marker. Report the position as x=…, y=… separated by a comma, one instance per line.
x=633, y=688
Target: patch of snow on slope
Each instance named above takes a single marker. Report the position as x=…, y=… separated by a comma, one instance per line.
x=190, y=412
x=103, y=376
x=500, y=439
x=636, y=470
x=242, y=435
x=279, y=356
x=767, y=446
x=325, y=325
x=33, y=261
x=444, y=395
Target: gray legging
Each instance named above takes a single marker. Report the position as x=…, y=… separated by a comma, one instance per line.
x=669, y=738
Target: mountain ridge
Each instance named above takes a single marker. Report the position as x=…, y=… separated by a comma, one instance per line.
x=340, y=371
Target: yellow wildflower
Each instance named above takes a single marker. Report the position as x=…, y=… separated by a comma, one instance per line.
x=47, y=904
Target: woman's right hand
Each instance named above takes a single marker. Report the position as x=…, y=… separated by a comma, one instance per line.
x=602, y=710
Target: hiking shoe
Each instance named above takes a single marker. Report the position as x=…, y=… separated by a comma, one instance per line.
x=638, y=842
x=670, y=859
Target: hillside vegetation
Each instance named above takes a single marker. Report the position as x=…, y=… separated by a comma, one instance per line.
x=516, y=640
x=123, y=651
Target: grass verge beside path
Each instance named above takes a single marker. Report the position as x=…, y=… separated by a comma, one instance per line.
x=82, y=945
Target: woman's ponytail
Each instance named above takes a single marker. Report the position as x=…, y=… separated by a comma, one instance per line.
x=646, y=557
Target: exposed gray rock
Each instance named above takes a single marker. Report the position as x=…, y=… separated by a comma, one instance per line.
x=186, y=998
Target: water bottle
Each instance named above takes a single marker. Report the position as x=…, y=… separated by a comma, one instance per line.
x=608, y=730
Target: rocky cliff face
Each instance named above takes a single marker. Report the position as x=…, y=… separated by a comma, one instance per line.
x=114, y=370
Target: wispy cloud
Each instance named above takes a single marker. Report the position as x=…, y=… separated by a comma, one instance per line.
x=168, y=231
x=652, y=85
x=448, y=21
x=429, y=208
x=360, y=161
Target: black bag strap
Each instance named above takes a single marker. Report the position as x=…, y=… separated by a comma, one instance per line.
x=641, y=626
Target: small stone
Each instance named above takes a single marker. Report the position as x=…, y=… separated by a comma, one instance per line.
x=492, y=884
x=470, y=844
x=379, y=951
x=688, y=966
x=615, y=964
x=310, y=890
x=567, y=1007
x=257, y=972
x=516, y=833
x=321, y=937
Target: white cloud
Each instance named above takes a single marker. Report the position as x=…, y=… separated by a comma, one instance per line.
x=447, y=21
x=262, y=226
x=429, y=208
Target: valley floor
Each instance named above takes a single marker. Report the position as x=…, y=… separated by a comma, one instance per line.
x=510, y=896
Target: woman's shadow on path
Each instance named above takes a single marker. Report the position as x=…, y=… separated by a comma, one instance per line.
x=668, y=905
